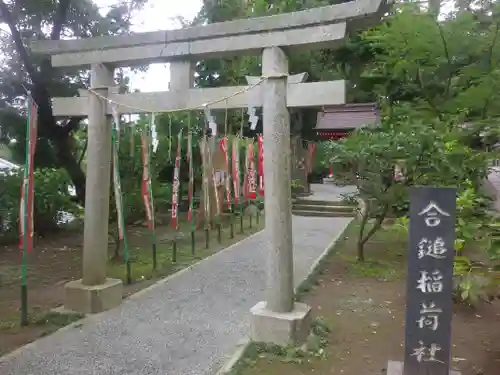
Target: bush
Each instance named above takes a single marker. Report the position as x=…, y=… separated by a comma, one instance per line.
x=53, y=201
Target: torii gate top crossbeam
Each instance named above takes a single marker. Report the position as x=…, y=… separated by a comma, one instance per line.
x=312, y=27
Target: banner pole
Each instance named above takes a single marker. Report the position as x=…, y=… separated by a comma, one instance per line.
x=191, y=213
x=119, y=196
x=175, y=195
x=150, y=138
x=27, y=203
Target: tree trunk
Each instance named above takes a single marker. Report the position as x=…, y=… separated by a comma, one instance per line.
x=365, y=214
x=434, y=7
x=363, y=239
x=360, y=251
x=48, y=127
x=69, y=162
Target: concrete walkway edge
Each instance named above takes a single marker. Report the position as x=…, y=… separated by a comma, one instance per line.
x=244, y=344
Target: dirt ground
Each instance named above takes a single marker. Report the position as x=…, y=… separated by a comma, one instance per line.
x=57, y=260
x=364, y=307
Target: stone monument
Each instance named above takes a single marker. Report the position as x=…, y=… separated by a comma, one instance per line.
x=429, y=304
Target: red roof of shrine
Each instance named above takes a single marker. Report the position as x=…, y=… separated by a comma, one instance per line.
x=348, y=116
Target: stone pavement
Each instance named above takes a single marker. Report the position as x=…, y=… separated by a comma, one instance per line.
x=186, y=325
x=492, y=186
x=329, y=191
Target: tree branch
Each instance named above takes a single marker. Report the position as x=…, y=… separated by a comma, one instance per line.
x=448, y=59
x=377, y=225
x=84, y=151
x=427, y=98
x=490, y=61
x=59, y=19
x=18, y=41
x=55, y=34
x=72, y=124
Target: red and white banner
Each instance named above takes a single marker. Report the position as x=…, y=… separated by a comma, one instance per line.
x=224, y=143
x=235, y=161
x=28, y=185
x=251, y=187
x=206, y=185
x=311, y=148
x=176, y=183
x=146, y=181
x=214, y=178
x=116, y=172
x=191, y=176
x=118, y=192
x=260, y=165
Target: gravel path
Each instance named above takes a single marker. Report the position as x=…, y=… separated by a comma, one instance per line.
x=186, y=325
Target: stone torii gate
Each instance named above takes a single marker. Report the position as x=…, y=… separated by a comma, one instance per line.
x=277, y=319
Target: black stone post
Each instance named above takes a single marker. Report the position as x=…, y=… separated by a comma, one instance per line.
x=429, y=284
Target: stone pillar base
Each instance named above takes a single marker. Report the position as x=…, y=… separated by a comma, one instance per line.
x=284, y=329
x=91, y=299
x=396, y=368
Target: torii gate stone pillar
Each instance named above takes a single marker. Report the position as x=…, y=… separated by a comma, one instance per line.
x=95, y=292
x=277, y=319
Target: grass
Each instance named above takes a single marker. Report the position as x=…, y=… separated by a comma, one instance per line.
x=377, y=269
x=384, y=256
x=314, y=347
x=142, y=257
x=43, y=322
x=49, y=321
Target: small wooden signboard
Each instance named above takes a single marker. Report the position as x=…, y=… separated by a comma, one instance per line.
x=429, y=283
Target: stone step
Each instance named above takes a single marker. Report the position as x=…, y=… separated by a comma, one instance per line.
x=322, y=213
x=323, y=208
x=314, y=202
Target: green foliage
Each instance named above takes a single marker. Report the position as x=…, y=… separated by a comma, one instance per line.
x=52, y=201
x=22, y=71
x=130, y=163
x=314, y=347
x=430, y=152
x=474, y=281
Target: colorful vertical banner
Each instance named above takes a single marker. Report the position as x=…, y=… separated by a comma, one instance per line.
x=224, y=144
x=252, y=187
x=311, y=149
x=115, y=134
x=151, y=150
x=28, y=184
x=214, y=181
x=147, y=145
x=191, y=179
x=154, y=133
x=235, y=161
x=146, y=190
x=115, y=140
x=246, y=190
x=206, y=184
x=131, y=137
x=260, y=165
x=118, y=191
x=176, y=184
